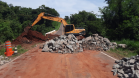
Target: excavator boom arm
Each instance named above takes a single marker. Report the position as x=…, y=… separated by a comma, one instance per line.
x=41, y=15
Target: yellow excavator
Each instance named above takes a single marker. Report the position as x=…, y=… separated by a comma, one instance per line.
x=68, y=28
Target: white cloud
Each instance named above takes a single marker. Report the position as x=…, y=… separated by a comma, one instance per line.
x=64, y=7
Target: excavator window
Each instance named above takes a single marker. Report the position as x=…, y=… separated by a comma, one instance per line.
x=68, y=28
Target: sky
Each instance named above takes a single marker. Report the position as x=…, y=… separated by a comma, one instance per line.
x=63, y=7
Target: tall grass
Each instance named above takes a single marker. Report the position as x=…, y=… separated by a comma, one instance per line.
x=131, y=44
x=19, y=49
x=131, y=49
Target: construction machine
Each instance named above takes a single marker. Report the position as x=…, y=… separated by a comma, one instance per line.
x=68, y=28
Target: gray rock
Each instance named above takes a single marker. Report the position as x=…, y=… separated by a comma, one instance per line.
x=117, y=61
x=55, y=39
x=106, y=39
x=59, y=51
x=132, y=57
x=120, y=71
x=137, y=66
x=65, y=42
x=54, y=48
x=57, y=46
x=80, y=50
x=45, y=49
x=116, y=66
x=94, y=35
x=62, y=37
x=50, y=47
x=101, y=39
x=105, y=48
x=50, y=50
x=114, y=71
x=114, y=44
x=70, y=47
x=125, y=75
x=88, y=38
x=71, y=43
x=1, y=62
x=80, y=42
x=137, y=74
x=122, y=45
x=94, y=43
x=96, y=39
x=52, y=41
x=70, y=36
x=132, y=61
x=120, y=75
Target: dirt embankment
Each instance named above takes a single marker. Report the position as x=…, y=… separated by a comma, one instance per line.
x=32, y=36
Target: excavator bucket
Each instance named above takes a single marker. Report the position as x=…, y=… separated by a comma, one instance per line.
x=27, y=29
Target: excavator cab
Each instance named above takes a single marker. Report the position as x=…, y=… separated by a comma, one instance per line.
x=69, y=28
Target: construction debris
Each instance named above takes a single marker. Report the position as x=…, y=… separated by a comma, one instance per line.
x=80, y=37
x=127, y=67
x=4, y=60
x=70, y=44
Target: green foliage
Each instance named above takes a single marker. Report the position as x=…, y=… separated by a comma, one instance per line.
x=67, y=19
x=132, y=45
x=2, y=51
x=121, y=19
x=89, y=21
x=20, y=50
x=123, y=52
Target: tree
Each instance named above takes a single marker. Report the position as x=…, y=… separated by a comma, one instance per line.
x=89, y=21
x=120, y=18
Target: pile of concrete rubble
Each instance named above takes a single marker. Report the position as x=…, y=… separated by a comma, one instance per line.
x=4, y=60
x=127, y=67
x=70, y=44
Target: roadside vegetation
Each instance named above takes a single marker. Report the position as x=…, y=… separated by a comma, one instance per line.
x=132, y=48
x=19, y=49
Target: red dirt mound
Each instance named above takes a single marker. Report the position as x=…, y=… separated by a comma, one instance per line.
x=32, y=36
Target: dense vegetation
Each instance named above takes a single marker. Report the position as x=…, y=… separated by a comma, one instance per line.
x=89, y=21
x=13, y=19
x=121, y=19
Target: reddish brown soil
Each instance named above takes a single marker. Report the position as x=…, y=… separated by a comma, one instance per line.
x=32, y=36
x=37, y=64
x=80, y=37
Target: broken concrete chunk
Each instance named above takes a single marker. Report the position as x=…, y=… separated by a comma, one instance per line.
x=122, y=45
x=94, y=35
x=114, y=71
x=116, y=66
x=120, y=75
x=132, y=61
x=45, y=49
x=88, y=38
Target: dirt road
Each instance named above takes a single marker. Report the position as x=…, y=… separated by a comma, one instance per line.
x=37, y=64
